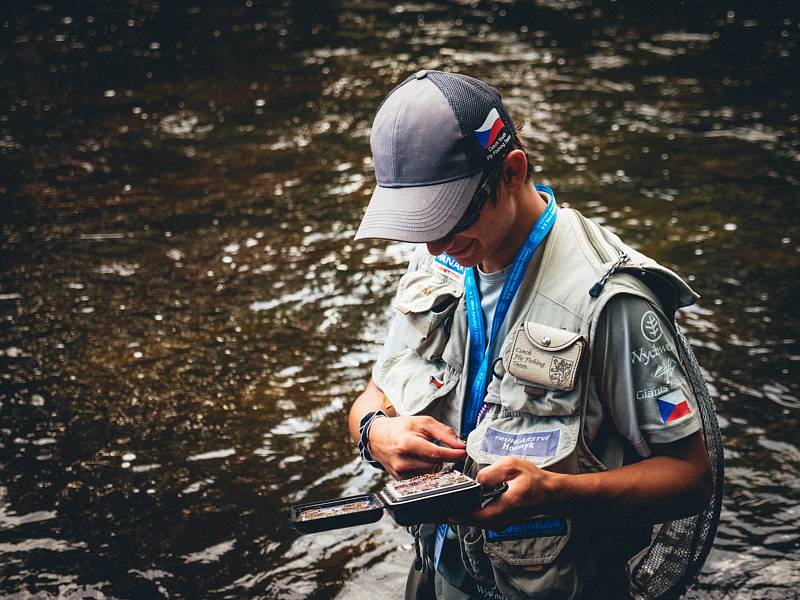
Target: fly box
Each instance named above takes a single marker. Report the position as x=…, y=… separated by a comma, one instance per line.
x=336, y=514
x=429, y=498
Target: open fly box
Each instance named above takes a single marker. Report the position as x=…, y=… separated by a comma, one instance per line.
x=428, y=498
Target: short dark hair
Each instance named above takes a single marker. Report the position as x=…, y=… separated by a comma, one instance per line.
x=519, y=143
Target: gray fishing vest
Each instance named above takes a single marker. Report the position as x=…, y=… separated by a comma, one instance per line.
x=539, y=391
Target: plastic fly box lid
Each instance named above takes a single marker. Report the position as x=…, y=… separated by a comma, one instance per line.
x=422, y=499
x=314, y=517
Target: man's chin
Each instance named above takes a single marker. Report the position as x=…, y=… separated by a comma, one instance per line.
x=467, y=262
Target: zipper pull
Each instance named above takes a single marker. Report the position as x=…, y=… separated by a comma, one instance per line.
x=417, y=550
x=595, y=290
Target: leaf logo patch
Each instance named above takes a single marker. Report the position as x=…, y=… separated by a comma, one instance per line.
x=651, y=328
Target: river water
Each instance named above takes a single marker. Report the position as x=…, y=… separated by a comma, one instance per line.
x=186, y=318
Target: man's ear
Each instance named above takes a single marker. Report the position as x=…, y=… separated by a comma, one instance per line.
x=515, y=168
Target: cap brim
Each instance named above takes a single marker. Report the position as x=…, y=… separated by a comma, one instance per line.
x=417, y=214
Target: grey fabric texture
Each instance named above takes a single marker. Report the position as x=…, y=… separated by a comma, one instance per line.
x=415, y=139
x=489, y=287
x=665, y=569
x=419, y=213
x=635, y=372
x=428, y=161
x=621, y=370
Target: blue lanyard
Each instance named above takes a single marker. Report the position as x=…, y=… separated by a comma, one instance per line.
x=480, y=352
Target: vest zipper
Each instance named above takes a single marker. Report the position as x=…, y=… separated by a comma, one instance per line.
x=602, y=255
x=595, y=290
x=594, y=242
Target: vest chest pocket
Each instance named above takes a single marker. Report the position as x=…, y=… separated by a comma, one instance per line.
x=542, y=365
x=536, y=416
x=537, y=401
x=426, y=301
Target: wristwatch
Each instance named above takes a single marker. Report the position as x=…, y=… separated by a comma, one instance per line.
x=363, y=437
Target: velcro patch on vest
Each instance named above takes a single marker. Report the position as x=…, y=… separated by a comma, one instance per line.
x=543, y=444
x=449, y=267
x=535, y=528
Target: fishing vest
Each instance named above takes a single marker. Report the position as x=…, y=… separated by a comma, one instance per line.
x=539, y=391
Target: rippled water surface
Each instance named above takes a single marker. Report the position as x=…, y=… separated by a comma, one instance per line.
x=185, y=317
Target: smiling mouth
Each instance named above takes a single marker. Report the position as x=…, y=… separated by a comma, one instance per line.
x=463, y=251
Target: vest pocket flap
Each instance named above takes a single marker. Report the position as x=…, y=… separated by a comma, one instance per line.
x=544, y=356
x=425, y=300
x=536, y=542
x=544, y=441
x=550, y=339
x=419, y=292
x=414, y=384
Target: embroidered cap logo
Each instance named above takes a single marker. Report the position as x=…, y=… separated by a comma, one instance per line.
x=493, y=136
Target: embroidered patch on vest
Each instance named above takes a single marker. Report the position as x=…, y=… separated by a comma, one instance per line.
x=560, y=371
x=543, y=527
x=541, y=443
x=449, y=267
x=673, y=406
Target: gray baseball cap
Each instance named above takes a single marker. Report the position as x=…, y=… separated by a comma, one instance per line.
x=432, y=139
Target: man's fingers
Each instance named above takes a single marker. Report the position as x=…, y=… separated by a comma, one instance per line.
x=490, y=517
x=426, y=450
x=443, y=433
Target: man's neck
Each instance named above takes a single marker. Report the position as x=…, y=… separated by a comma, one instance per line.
x=529, y=207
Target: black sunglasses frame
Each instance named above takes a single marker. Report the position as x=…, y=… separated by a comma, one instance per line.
x=473, y=212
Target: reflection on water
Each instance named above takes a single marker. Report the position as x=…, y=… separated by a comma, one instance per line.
x=185, y=317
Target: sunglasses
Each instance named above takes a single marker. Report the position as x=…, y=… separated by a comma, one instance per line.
x=470, y=216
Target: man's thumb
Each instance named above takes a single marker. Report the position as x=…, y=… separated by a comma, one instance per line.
x=494, y=475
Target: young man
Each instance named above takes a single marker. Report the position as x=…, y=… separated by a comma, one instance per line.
x=530, y=345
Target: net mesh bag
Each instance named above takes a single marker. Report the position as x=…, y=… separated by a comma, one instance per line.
x=679, y=548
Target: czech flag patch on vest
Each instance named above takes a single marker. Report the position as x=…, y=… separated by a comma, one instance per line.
x=673, y=406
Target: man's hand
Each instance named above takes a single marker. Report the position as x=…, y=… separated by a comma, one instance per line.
x=673, y=483
x=530, y=491
x=404, y=445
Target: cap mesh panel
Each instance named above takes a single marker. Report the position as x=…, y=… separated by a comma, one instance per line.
x=470, y=99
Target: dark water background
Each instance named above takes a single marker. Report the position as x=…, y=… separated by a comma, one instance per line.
x=185, y=317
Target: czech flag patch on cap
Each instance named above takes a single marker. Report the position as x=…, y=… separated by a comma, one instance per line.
x=673, y=406
x=487, y=133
